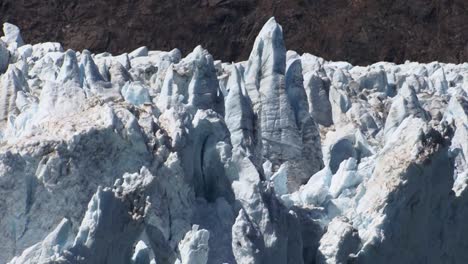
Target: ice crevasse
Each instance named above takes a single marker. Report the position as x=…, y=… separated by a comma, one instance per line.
x=153, y=157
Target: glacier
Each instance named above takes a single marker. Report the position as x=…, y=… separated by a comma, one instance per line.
x=151, y=157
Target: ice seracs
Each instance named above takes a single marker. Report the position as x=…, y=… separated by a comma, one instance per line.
x=12, y=82
x=338, y=243
x=192, y=82
x=239, y=112
x=405, y=104
x=194, y=247
x=4, y=57
x=318, y=91
x=136, y=93
x=457, y=114
x=143, y=254
x=12, y=35
x=154, y=157
x=51, y=248
x=266, y=87
x=285, y=131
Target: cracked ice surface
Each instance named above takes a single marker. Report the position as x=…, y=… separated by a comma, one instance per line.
x=154, y=157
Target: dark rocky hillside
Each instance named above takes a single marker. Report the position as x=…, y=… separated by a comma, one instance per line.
x=359, y=31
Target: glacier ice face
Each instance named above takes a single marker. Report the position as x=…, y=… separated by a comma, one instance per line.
x=110, y=226
x=457, y=113
x=12, y=82
x=50, y=248
x=405, y=104
x=143, y=254
x=338, y=243
x=70, y=71
x=136, y=93
x=4, y=57
x=152, y=157
x=12, y=35
x=419, y=186
x=345, y=177
x=194, y=247
x=317, y=88
x=285, y=130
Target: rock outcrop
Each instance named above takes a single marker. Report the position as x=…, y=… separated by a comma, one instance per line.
x=362, y=32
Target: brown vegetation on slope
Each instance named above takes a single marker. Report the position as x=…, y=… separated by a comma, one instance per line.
x=359, y=31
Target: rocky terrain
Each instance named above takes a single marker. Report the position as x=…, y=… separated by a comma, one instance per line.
x=359, y=31
x=155, y=157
